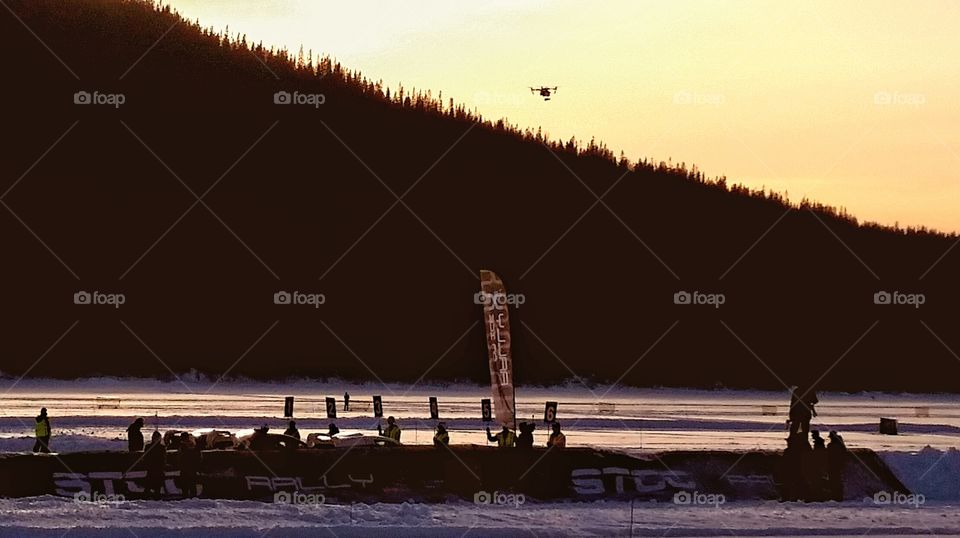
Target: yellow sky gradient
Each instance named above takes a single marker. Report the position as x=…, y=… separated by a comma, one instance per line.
x=854, y=104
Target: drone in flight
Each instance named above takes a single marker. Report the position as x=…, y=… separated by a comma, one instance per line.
x=545, y=91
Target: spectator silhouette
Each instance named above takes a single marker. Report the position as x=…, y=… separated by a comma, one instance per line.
x=802, y=402
x=441, y=437
x=155, y=458
x=793, y=478
x=557, y=439
x=525, y=439
x=42, y=431
x=818, y=442
x=837, y=458
x=135, y=436
x=259, y=440
x=292, y=430
x=188, y=460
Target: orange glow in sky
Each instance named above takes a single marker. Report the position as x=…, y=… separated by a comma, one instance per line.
x=855, y=105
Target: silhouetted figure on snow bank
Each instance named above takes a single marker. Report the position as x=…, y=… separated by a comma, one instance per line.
x=802, y=402
x=135, y=436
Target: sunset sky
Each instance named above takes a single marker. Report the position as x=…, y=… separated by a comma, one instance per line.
x=856, y=105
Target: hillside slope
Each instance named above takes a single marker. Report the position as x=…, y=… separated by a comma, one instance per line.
x=297, y=197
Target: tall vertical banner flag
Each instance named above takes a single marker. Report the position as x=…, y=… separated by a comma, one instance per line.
x=493, y=297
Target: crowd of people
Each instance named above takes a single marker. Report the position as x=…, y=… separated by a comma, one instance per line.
x=154, y=459
x=259, y=440
x=810, y=472
x=507, y=439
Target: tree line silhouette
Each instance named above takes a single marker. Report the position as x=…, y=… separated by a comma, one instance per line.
x=389, y=201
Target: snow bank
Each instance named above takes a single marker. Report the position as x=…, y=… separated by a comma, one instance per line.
x=64, y=443
x=931, y=472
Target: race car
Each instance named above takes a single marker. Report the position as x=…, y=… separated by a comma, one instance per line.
x=213, y=439
x=254, y=440
x=342, y=440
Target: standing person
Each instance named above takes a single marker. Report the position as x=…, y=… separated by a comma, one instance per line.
x=557, y=439
x=259, y=440
x=792, y=476
x=346, y=401
x=292, y=430
x=525, y=439
x=42, y=432
x=392, y=431
x=802, y=402
x=135, y=436
x=155, y=458
x=441, y=437
x=836, y=458
x=504, y=439
x=188, y=460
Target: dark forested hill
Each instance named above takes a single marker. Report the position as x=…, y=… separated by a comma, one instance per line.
x=199, y=197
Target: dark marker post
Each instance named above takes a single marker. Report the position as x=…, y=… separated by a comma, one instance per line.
x=331, y=407
x=486, y=413
x=378, y=410
x=550, y=412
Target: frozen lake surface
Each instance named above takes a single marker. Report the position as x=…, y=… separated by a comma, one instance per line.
x=92, y=414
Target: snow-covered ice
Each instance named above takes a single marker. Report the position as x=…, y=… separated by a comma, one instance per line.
x=92, y=414
x=50, y=516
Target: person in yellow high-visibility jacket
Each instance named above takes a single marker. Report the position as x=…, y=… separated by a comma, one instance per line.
x=42, y=432
x=441, y=437
x=504, y=439
x=392, y=431
x=557, y=439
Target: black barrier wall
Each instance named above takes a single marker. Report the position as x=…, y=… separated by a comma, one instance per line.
x=430, y=474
